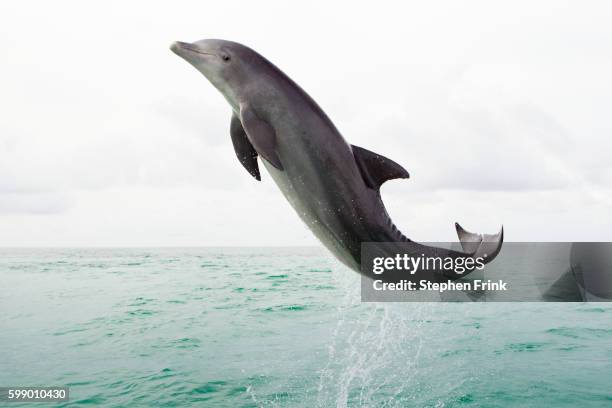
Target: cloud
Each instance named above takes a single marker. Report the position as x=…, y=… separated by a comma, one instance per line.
x=34, y=203
x=499, y=115
x=471, y=136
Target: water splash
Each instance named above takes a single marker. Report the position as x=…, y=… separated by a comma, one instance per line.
x=374, y=350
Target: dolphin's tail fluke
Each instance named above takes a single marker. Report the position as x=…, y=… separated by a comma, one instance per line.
x=485, y=246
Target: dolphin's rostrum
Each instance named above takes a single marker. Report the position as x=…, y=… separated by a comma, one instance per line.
x=333, y=186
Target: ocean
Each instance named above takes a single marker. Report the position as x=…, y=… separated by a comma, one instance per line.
x=279, y=327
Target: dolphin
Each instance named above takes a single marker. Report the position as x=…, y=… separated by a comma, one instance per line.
x=333, y=186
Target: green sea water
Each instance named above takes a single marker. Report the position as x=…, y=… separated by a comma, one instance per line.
x=269, y=327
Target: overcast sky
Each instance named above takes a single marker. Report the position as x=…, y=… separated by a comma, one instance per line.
x=500, y=112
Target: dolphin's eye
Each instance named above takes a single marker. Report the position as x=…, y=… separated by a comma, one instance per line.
x=225, y=57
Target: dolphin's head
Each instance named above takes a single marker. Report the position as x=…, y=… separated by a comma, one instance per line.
x=225, y=64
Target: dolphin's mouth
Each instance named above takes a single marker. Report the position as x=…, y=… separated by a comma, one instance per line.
x=177, y=46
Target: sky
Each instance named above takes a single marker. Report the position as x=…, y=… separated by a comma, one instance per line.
x=499, y=111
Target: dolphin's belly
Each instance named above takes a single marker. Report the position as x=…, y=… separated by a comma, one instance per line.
x=322, y=182
x=341, y=233
x=312, y=219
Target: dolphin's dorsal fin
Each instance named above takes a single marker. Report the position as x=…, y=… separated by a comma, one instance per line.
x=244, y=149
x=261, y=135
x=375, y=168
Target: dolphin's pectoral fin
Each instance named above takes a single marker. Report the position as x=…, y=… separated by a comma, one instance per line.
x=375, y=168
x=261, y=135
x=244, y=149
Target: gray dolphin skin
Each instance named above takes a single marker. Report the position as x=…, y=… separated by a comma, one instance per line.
x=332, y=185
